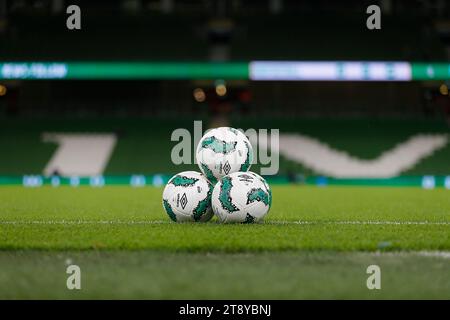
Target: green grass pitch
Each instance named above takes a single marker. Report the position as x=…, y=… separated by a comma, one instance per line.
x=315, y=243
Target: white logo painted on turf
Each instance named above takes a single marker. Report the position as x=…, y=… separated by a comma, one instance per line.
x=374, y=280
x=74, y=280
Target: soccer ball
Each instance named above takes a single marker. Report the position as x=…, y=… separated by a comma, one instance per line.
x=243, y=197
x=222, y=151
x=187, y=197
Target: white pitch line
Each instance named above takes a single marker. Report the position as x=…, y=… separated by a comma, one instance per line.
x=80, y=222
x=369, y=222
x=422, y=253
x=273, y=222
x=435, y=254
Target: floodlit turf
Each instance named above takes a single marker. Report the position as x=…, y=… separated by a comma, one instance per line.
x=333, y=218
x=157, y=275
x=309, y=247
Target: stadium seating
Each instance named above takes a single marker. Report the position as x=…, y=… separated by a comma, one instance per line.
x=171, y=37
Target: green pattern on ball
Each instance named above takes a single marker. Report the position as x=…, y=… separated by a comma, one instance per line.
x=208, y=173
x=248, y=160
x=249, y=218
x=224, y=195
x=270, y=197
x=258, y=194
x=202, y=206
x=169, y=210
x=218, y=145
x=268, y=190
x=183, y=181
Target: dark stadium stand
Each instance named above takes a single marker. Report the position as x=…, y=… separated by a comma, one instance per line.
x=319, y=37
x=144, y=37
x=175, y=37
x=244, y=33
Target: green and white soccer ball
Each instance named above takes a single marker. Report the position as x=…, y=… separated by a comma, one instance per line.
x=241, y=197
x=187, y=197
x=222, y=151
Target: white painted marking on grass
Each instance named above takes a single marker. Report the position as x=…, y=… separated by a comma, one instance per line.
x=358, y=222
x=422, y=253
x=81, y=222
x=79, y=154
x=270, y=222
x=328, y=161
x=363, y=222
x=436, y=254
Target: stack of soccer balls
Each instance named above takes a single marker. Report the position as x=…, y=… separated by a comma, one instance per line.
x=225, y=187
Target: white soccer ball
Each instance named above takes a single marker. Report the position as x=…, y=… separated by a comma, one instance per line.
x=243, y=197
x=187, y=197
x=222, y=151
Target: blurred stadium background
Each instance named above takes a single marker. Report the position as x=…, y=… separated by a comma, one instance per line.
x=97, y=106
x=378, y=109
